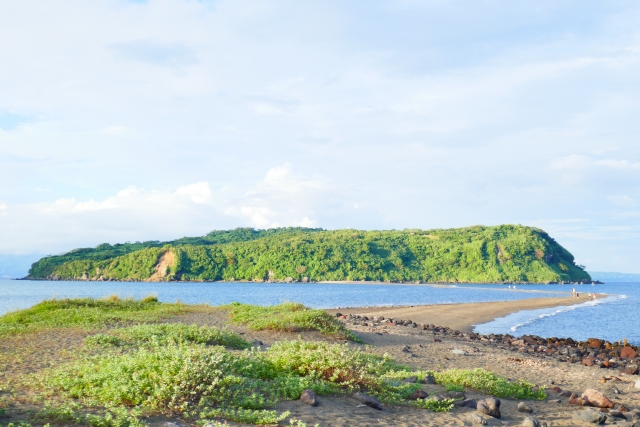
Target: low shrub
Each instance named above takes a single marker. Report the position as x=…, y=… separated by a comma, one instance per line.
x=72, y=415
x=191, y=379
x=490, y=383
x=86, y=312
x=169, y=333
x=289, y=317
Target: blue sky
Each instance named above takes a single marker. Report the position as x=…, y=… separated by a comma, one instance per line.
x=124, y=121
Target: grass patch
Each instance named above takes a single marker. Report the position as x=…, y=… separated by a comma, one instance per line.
x=86, y=312
x=168, y=334
x=289, y=317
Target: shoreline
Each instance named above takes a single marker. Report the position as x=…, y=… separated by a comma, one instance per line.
x=462, y=316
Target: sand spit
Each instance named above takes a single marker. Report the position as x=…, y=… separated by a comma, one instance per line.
x=461, y=316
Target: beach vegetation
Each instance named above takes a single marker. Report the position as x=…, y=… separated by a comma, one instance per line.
x=288, y=317
x=487, y=382
x=166, y=334
x=136, y=367
x=197, y=381
x=87, y=313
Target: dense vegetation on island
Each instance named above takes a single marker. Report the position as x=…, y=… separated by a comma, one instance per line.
x=506, y=253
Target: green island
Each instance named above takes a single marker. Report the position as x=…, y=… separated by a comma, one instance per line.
x=478, y=254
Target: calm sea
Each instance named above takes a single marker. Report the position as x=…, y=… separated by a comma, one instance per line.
x=611, y=318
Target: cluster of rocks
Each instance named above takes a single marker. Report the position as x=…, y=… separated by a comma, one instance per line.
x=593, y=352
x=601, y=408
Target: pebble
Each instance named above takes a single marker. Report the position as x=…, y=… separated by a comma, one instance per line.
x=554, y=401
x=523, y=407
x=171, y=424
x=637, y=385
x=476, y=419
x=459, y=352
x=590, y=416
x=530, y=422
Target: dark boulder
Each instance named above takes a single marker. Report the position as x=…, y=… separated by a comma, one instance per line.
x=489, y=406
x=308, y=396
x=368, y=400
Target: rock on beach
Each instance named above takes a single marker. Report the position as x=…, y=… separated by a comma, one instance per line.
x=530, y=422
x=466, y=403
x=523, y=407
x=308, y=396
x=476, y=419
x=590, y=416
x=489, y=406
x=418, y=394
x=368, y=400
x=597, y=399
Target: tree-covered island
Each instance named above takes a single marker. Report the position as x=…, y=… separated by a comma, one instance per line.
x=478, y=254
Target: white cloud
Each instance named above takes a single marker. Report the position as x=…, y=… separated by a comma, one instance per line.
x=307, y=222
x=73, y=206
x=622, y=200
x=198, y=193
x=280, y=199
x=618, y=164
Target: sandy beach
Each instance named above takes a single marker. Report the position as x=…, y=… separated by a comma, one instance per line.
x=462, y=316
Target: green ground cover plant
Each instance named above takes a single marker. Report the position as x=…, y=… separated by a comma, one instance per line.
x=198, y=381
x=490, y=383
x=168, y=333
x=87, y=313
x=72, y=414
x=505, y=253
x=289, y=317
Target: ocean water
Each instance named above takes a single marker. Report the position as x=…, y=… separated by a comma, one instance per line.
x=612, y=318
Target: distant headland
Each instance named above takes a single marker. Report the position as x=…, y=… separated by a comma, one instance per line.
x=478, y=254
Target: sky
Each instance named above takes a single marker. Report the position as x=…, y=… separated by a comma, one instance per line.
x=152, y=120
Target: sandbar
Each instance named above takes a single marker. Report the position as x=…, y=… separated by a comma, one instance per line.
x=462, y=316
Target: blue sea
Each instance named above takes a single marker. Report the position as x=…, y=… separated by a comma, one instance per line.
x=612, y=318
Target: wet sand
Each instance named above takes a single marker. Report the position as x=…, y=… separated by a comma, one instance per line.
x=462, y=316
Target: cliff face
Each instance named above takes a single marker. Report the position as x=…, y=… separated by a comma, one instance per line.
x=506, y=253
